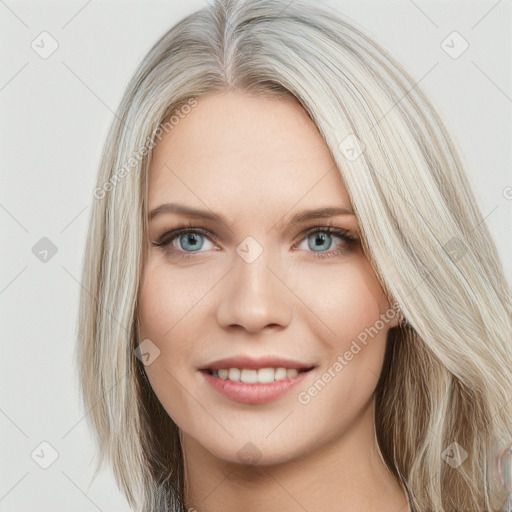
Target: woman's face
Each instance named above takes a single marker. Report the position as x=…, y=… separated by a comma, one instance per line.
x=257, y=284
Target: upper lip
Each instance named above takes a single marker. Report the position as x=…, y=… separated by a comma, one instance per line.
x=243, y=361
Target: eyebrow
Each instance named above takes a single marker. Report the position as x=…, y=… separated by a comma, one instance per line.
x=302, y=216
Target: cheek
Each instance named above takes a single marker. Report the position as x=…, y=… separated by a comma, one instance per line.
x=351, y=303
x=156, y=305
x=166, y=298
x=353, y=350
x=166, y=315
x=346, y=298
x=163, y=319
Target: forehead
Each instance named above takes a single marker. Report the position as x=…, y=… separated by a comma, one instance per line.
x=236, y=153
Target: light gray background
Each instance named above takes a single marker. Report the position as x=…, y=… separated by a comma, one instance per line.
x=55, y=116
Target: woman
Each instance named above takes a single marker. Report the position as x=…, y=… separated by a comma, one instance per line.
x=228, y=361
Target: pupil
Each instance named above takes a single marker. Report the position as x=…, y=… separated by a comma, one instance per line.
x=321, y=238
x=190, y=239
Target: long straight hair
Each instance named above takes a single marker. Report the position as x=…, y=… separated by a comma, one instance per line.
x=446, y=384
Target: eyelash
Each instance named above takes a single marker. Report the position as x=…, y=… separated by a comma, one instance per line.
x=165, y=241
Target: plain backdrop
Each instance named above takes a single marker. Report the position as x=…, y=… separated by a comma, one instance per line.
x=55, y=113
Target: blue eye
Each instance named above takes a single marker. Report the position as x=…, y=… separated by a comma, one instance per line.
x=186, y=241
x=191, y=240
x=320, y=240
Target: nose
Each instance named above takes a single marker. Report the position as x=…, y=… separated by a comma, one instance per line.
x=254, y=296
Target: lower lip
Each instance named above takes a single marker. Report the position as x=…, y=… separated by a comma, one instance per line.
x=253, y=394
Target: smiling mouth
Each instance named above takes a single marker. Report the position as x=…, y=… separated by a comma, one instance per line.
x=255, y=386
x=256, y=376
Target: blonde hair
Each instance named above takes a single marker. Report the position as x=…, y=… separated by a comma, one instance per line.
x=447, y=373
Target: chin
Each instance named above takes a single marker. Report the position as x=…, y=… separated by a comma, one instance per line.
x=254, y=452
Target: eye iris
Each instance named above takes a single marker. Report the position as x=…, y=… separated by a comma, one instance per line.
x=190, y=237
x=321, y=236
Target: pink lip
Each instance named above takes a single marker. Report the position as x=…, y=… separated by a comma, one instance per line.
x=243, y=361
x=253, y=394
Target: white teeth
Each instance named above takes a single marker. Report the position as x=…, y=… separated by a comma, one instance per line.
x=280, y=373
x=291, y=372
x=234, y=374
x=251, y=376
x=266, y=375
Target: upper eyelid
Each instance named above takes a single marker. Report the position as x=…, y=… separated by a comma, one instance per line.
x=311, y=227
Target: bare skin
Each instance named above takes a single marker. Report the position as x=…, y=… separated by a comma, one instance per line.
x=259, y=161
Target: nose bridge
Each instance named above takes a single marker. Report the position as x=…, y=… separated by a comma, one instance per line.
x=254, y=295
